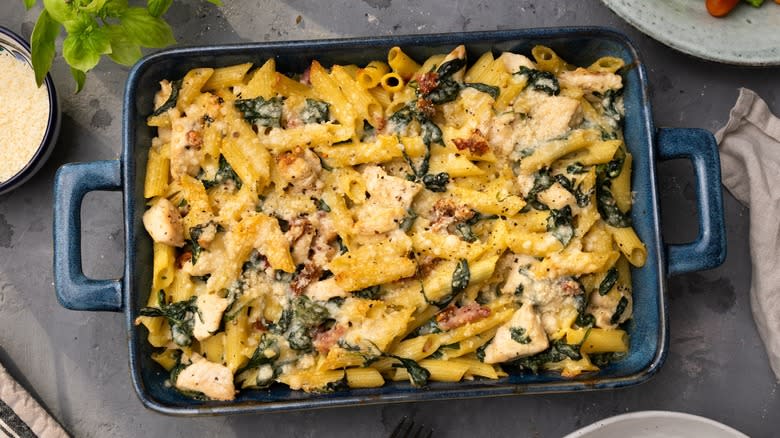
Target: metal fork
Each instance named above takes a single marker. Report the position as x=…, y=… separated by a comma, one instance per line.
x=408, y=429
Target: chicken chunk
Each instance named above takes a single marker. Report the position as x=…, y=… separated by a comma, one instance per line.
x=390, y=197
x=299, y=168
x=604, y=307
x=547, y=117
x=164, y=224
x=214, y=380
x=557, y=197
x=522, y=336
x=324, y=290
x=513, y=62
x=210, y=310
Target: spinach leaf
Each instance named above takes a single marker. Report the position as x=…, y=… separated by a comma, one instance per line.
x=608, y=282
x=621, y=307
x=171, y=102
x=430, y=132
x=607, y=135
x=419, y=376
x=440, y=351
x=485, y=88
x=601, y=360
x=460, y=277
x=261, y=112
x=480, y=353
x=369, y=293
x=255, y=263
x=463, y=229
x=322, y=205
x=541, y=80
x=436, y=182
x=450, y=67
x=560, y=224
x=234, y=292
x=224, y=174
x=583, y=198
x=542, y=181
x=283, y=323
x=408, y=220
x=576, y=168
x=613, y=168
x=607, y=206
x=446, y=91
x=401, y=118
x=315, y=111
x=431, y=326
x=340, y=243
x=196, y=249
x=306, y=315
x=557, y=352
x=585, y=320
x=180, y=316
x=609, y=102
x=267, y=352
x=519, y=335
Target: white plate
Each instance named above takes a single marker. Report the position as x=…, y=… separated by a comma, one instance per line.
x=747, y=36
x=656, y=424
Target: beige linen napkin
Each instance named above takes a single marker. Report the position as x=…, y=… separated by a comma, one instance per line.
x=750, y=164
x=21, y=416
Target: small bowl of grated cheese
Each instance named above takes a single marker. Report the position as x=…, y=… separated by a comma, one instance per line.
x=29, y=115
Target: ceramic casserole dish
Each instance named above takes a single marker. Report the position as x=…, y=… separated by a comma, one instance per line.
x=648, y=329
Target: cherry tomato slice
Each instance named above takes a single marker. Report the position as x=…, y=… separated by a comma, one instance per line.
x=719, y=8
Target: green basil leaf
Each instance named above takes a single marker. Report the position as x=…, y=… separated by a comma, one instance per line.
x=145, y=29
x=158, y=7
x=84, y=44
x=29, y=4
x=123, y=50
x=114, y=8
x=78, y=76
x=60, y=10
x=43, y=37
x=215, y=2
x=93, y=7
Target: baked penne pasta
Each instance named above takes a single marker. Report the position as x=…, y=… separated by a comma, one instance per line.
x=411, y=220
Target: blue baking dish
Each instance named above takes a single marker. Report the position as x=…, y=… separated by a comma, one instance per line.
x=581, y=46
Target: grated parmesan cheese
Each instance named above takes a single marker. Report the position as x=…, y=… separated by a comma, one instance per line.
x=24, y=114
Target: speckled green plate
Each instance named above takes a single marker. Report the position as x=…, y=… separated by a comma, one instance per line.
x=747, y=36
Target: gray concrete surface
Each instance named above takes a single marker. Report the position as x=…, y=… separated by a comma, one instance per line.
x=76, y=363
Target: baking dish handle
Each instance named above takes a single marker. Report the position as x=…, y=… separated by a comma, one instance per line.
x=74, y=290
x=709, y=249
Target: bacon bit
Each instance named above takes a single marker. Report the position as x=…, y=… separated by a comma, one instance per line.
x=194, y=139
x=477, y=143
x=454, y=317
x=308, y=274
x=289, y=157
x=298, y=227
x=325, y=340
x=381, y=122
x=183, y=258
x=306, y=77
x=426, y=264
x=428, y=82
x=570, y=287
x=446, y=212
x=426, y=107
x=259, y=326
